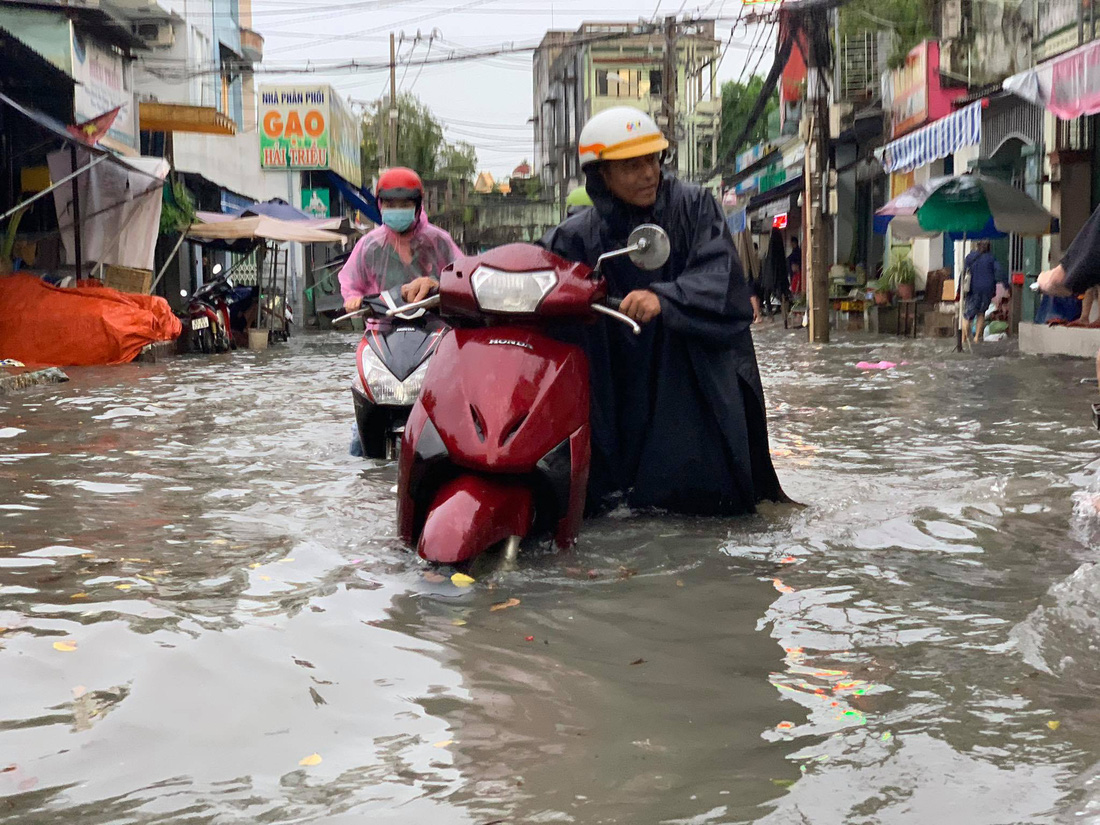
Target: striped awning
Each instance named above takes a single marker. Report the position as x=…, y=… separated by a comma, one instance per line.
x=934, y=141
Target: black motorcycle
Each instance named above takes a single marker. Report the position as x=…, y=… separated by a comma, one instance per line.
x=390, y=364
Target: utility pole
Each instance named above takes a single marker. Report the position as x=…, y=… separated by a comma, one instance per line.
x=817, y=182
x=668, y=87
x=391, y=144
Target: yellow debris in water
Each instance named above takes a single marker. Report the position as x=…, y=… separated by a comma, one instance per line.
x=461, y=580
x=65, y=647
x=311, y=760
x=1054, y=725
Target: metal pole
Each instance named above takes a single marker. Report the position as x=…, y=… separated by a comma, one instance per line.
x=171, y=257
x=668, y=93
x=76, y=220
x=960, y=297
x=51, y=188
x=393, y=103
x=817, y=159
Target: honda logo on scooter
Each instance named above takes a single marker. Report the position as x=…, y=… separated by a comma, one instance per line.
x=511, y=342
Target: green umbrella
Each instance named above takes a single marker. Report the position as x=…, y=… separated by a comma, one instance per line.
x=967, y=207
x=970, y=206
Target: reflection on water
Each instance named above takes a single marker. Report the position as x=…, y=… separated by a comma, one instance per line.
x=205, y=616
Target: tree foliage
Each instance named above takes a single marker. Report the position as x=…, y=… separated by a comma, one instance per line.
x=177, y=211
x=908, y=21
x=420, y=142
x=737, y=102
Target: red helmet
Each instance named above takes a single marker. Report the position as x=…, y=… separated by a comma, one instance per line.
x=400, y=183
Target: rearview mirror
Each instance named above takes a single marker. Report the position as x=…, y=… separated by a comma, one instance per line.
x=649, y=246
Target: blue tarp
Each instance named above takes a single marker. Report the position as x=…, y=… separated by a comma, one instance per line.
x=361, y=199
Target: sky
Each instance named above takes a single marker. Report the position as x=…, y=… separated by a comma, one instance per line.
x=485, y=102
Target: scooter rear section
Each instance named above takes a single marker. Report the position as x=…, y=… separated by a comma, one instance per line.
x=507, y=404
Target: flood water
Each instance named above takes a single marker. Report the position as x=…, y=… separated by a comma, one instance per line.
x=205, y=616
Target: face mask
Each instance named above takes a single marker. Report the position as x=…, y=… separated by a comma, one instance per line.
x=399, y=220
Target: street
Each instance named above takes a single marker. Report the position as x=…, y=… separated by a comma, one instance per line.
x=205, y=616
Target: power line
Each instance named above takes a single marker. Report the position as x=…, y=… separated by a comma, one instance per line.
x=326, y=40
x=782, y=54
x=315, y=67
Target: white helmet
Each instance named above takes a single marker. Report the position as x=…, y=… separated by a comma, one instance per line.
x=619, y=133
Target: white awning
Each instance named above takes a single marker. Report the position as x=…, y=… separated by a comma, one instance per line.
x=934, y=141
x=1067, y=85
x=264, y=227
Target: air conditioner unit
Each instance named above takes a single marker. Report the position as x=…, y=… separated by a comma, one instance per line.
x=155, y=35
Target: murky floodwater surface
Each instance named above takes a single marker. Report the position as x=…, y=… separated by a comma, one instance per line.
x=205, y=616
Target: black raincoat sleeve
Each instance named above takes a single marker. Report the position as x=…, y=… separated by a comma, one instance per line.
x=709, y=299
x=1082, y=260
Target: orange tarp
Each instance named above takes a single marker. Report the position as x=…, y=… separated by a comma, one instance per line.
x=87, y=326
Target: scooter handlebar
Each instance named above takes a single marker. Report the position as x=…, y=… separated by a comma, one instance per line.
x=606, y=309
x=430, y=301
x=362, y=312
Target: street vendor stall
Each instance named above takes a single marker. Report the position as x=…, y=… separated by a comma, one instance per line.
x=967, y=207
x=249, y=230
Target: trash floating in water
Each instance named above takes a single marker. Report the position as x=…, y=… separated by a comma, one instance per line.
x=65, y=647
x=311, y=760
x=528, y=638
x=10, y=432
x=881, y=365
x=444, y=743
x=11, y=362
x=1053, y=724
x=462, y=580
x=513, y=602
x=785, y=726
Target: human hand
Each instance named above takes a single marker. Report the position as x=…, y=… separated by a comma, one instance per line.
x=1053, y=281
x=418, y=289
x=352, y=304
x=641, y=305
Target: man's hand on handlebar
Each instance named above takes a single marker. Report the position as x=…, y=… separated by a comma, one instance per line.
x=641, y=305
x=418, y=289
x=352, y=304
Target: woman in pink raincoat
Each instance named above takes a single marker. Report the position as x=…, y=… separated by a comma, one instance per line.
x=404, y=250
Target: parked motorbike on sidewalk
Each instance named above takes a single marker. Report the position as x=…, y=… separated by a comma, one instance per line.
x=208, y=315
x=391, y=362
x=497, y=447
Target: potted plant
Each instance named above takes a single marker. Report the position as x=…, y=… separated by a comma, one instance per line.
x=901, y=275
x=879, y=291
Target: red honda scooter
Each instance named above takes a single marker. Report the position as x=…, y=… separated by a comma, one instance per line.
x=497, y=446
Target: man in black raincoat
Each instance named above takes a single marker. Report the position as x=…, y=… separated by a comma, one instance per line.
x=678, y=417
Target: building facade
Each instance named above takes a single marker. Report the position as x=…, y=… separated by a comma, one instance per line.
x=580, y=73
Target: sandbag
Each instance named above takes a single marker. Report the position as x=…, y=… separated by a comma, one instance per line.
x=90, y=325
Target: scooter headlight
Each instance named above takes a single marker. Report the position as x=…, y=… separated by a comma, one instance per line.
x=519, y=292
x=383, y=386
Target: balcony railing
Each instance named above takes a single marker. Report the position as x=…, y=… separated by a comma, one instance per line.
x=859, y=67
